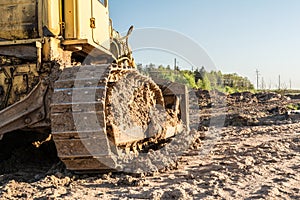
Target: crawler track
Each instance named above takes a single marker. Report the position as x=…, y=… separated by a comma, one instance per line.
x=78, y=118
x=89, y=108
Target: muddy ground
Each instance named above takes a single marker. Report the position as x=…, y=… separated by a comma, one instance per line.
x=253, y=152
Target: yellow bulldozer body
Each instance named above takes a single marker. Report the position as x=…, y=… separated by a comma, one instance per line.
x=77, y=22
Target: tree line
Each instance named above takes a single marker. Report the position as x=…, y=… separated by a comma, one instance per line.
x=200, y=78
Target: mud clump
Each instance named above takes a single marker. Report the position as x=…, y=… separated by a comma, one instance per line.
x=240, y=120
x=164, y=158
x=130, y=102
x=175, y=193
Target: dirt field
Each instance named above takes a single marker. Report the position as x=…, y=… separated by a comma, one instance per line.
x=256, y=155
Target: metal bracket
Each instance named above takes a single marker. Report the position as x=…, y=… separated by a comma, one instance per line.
x=93, y=22
x=24, y=113
x=16, y=42
x=62, y=25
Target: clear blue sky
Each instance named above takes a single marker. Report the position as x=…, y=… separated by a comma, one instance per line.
x=239, y=35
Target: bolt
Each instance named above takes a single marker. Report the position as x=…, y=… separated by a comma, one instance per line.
x=27, y=120
x=40, y=115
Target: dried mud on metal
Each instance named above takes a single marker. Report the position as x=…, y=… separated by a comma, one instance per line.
x=255, y=156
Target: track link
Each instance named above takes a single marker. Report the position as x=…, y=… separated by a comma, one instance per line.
x=78, y=118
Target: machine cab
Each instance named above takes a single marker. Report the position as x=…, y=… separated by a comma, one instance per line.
x=87, y=20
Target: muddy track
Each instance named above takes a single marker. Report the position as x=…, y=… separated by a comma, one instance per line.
x=98, y=110
x=78, y=120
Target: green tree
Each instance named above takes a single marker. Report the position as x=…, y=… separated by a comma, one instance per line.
x=206, y=85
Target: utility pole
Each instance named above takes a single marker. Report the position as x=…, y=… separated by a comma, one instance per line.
x=279, y=86
x=290, y=84
x=257, y=79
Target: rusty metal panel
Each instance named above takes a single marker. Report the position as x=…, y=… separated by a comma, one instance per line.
x=19, y=19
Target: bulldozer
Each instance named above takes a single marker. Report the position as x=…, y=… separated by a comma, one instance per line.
x=66, y=72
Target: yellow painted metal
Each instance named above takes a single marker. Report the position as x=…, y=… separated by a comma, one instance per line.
x=18, y=19
x=39, y=16
x=101, y=34
x=18, y=85
x=24, y=19
x=51, y=16
x=83, y=20
x=71, y=16
x=89, y=20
